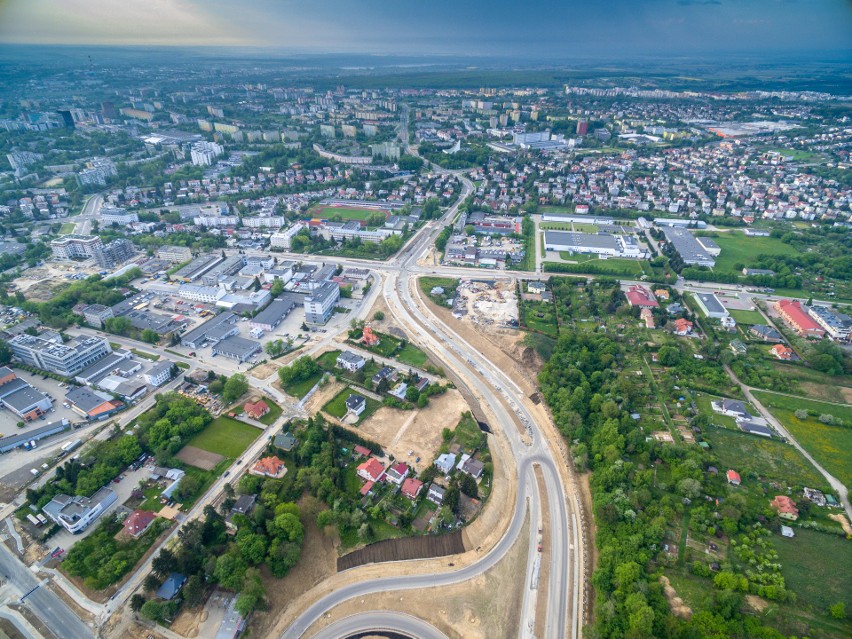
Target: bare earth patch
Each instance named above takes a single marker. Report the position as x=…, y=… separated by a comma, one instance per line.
x=841, y=519
x=756, y=603
x=263, y=371
x=203, y=459
x=678, y=608
x=486, y=607
x=400, y=431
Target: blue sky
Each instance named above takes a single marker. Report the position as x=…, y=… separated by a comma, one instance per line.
x=530, y=30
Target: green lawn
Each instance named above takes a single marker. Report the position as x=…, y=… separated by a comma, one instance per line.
x=467, y=433
x=814, y=384
x=830, y=445
x=611, y=266
x=817, y=567
x=274, y=412
x=337, y=405
x=149, y=356
x=578, y=227
x=226, y=436
x=747, y=317
x=738, y=248
x=343, y=212
x=66, y=228
x=303, y=387
x=767, y=458
x=412, y=356
x=328, y=360
x=546, y=323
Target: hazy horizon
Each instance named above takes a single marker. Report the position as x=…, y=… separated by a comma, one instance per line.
x=605, y=29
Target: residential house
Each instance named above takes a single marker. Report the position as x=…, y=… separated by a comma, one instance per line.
x=257, y=409
x=738, y=347
x=411, y=487
x=782, y=352
x=386, y=373
x=269, y=467
x=445, y=463
x=244, y=504
x=786, y=507
x=397, y=473
x=682, y=327
x=369, y=338
x=730, y=407
x=473, y=467
x=137, y=522
x=355, y=405
x=351, y=362
x=371, y=470
x=76, y=513
x=435, y=494
x=640, y=296
x=797, y=317
x=733, y=478
x=171, y=586
x=765, y=333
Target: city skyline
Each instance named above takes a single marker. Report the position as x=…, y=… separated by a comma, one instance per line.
x=613, y=27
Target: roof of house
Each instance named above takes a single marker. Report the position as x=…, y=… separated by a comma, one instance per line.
x=361, y=450
x=797, y=316
x=784, y=504
x=268, y=465
x=256, y=409
x=171, y=586
x=733, y=475
x=354, y=401
x=285, y=441
x=91, y=402
x=765, y=331
x=137, y=521
x=640, y=296
x=367, y=487
x=243, y=504
x=373, y=467
x=411, y=486
x=350, y=357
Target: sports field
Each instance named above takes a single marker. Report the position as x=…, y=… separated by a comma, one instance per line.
x=225, y=436
x=345, y=212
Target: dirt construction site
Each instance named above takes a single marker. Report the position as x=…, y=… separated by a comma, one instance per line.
x=487, y=302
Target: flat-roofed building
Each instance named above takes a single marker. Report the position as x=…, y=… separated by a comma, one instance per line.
x=63, y=359
x=237, y=348
x=270, y=317
x=711, y=305
x=838, y=326
x=175, y=254
x=690, y=251
x=96, y=314
x=320, y=303
x=214, y=329
x=197, y=267
x=76, y=513
x=75, y=246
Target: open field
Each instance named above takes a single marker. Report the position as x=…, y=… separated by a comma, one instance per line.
x=417, y=430
x=66, y=228
x=830, y=445
x=614, y=266
x=747, y=317
x=301, y=388
x=579, y=227
x=817, y=567
x=817, y=385
x=762, y=457
x=225, y=436
x=203, y=459
x=738, y=248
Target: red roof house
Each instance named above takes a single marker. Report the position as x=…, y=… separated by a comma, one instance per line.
x=138, y=522
x=411, y=487
x=682, y=327
x=368, y=337
x=361, y=450
x=367, y=488
x=640, y=296
x=734, y=477
x=782, y=352
x=397, y=473
x=256, y=410
x=797, y=317
x=269, y=467
x=786, y=507
x=371, y=470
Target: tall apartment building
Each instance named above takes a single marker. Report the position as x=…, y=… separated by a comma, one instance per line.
x=63, y=359
x=177, y=254
x=71, y=246
x=97, y=173
x=282, y=239
x=320, y=304
x=205, y=153
x=21, y=159
x=114, y=253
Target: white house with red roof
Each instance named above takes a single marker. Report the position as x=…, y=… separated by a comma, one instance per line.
x=397, y=473
x=371, y=470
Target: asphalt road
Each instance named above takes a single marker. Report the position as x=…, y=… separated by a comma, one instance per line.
x=397, y=623
x=44, y=604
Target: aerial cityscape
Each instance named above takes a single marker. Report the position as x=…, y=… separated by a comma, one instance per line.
x=440, y=320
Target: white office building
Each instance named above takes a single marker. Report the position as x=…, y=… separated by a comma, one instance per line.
x=283, y=239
